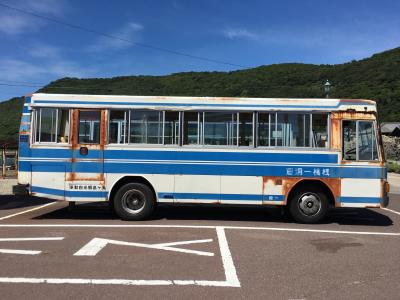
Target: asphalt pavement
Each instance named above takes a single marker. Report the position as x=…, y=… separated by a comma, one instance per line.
x=48, y=251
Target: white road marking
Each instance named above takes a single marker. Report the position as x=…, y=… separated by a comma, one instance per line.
x=26, y=252
x=391, y=210
x=84, y=281
x=58, y=238
x=378, y=233
x=231, y=279
x=26, y=211
x=184, y=242
x=227, y=261
x=96, y=244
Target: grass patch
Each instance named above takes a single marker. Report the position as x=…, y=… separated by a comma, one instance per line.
x=393, y=167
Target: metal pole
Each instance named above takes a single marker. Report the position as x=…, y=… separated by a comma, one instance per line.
x=16, y=160
x=4, y=162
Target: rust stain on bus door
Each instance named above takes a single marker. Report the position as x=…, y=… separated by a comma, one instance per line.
x=95, y=152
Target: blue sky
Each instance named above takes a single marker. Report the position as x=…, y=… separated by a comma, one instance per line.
x=248, y=33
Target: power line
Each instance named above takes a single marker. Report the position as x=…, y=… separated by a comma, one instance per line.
x=19, y=85
x=110, y=36
x=23, y=82
x=57, y=87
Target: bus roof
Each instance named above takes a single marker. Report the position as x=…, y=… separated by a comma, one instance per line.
x=199, y=103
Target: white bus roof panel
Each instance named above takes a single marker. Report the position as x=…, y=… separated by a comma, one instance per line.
x=200, y=103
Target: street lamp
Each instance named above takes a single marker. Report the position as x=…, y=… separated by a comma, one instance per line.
x=327, y=87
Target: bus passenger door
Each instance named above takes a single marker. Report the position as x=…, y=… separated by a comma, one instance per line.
x=85, y=181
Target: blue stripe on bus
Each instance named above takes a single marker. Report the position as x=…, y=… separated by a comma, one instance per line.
x=375, y=200
x=322, y=158
x=225, y=156
x=222, y=197
x=84, y=102
x=25, y=119
x=205, y=169
x=25, y=109
x=28, y=99
x=59, y=192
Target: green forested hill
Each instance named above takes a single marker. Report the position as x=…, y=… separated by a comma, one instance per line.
x=377, y=78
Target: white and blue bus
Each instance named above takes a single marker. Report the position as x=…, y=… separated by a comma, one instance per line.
x=138, y=151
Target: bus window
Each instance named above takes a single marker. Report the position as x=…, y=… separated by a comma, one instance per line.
x=117, y=127
x=264, y=130
x=89, y=127
x=192, y=128
x=349, y=140
x=246, y=129
x=220, y=128
x=319, y=130
x=145, y=127
x=171, y=128
x=293, y=130
x=47, y=125
x=366, y=141
x=52, y=125
x=63, y=126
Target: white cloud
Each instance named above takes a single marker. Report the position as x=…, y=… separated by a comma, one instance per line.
x=129, y=32
x=43, y=51
x=239, y=33
x=14, y=23
x=42, y=69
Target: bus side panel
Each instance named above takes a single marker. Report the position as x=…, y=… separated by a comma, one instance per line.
x=360, y=192
x=48, y=181
x=163, y=184
x=24, y=172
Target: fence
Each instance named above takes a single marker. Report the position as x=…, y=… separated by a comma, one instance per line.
x=8, y=162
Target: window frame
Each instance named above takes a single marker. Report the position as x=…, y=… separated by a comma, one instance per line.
x=128, y=114
x=34, y=130
x=201, y=116
x=272, y=142
x=378, y=152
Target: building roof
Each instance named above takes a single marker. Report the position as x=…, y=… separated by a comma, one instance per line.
x=389, y=127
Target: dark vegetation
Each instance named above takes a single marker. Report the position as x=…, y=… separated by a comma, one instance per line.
x=377, y=78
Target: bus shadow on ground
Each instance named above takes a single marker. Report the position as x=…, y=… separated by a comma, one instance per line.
x=266, y=215
x=12, y=202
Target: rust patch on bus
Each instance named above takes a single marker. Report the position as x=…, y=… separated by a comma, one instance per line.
x=335, y=134
x=103, y=129
x=286, y=184
x=74, y=134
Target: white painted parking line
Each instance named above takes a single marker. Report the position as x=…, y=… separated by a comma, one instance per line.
x=231, y=278
x=58, y=238
x=26, y=211
x=23, y=252
x=27, y=252
x=306, y=230
x=392, y=211
x=96, y=244
x=230, y=270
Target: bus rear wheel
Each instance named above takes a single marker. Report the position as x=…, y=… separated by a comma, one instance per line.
x=134, y=202
x=308, y=205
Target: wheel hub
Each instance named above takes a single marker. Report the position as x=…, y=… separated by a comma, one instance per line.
x=133, y=201
x=309, y=204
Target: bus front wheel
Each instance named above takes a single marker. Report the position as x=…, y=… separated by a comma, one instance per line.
x=134, y=202
x=308, y=205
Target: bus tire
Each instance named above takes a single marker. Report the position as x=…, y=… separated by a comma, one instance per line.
x=134, y=202
x=308, y=205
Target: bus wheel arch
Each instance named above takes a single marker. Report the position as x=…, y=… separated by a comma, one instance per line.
x=129, y=179
x=308, y=200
